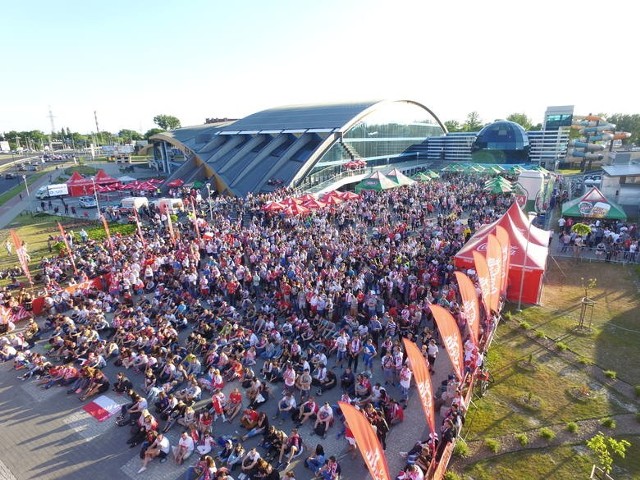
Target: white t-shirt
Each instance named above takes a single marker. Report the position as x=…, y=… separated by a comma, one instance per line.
x=187, y=443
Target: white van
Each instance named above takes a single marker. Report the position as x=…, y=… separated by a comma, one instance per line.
x=173, y=205
x=134, y=202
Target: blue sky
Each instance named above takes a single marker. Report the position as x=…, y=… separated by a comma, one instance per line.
x=130, y=60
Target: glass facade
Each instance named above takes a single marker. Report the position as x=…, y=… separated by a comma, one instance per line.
x=555, y=121
x=501, y=142
x=378, y=138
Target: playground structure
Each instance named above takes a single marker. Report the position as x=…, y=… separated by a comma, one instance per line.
x=594, y=130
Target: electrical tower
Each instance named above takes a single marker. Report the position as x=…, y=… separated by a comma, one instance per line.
x=53, y=126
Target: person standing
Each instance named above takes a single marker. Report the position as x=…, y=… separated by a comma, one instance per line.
x=355, y=347
x=432, y=353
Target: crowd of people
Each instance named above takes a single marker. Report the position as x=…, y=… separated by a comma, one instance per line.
x=234, y=314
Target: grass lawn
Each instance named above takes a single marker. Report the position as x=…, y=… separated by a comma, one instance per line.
x=81, y=169
x=612, y=345
x=9, y=194
x=35, y=230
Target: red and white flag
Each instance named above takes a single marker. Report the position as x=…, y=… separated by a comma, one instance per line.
x=505, y=243
x=367, y=441
x=482, y=270
x=470, y=304
x=23, y=257
x=451, y=338
x=106, y=229
x=102, y=408
x=66, y=243
x=422, y=377
x=494, y=262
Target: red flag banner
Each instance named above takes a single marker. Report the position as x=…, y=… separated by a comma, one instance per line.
x=66, y=243
x=195, y=219
x=505, y=243
x=470, y=304
x=421, y=375
x=23, y=257
x=482, y=270
x=450, y=334
x=135, y=214
x=106, y=229
x=367, y=442
x=494, y=262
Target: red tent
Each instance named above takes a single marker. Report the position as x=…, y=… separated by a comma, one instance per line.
x=296, y=209
x=103, y=178
x=79, y=186
x=521, y=222
x=313, y=204
x=533, y=263
x=273, y=207
x=349, y=195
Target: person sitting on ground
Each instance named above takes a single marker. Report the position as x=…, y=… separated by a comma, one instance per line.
x=160, y=448
x=123, y=384
x=250, y=462
x=306, y=411
x=260, y=425
x=286, y=406
x=324, y=419
x=206, y=444
x=236, y=456
x=99, y=384
x=184, y=449
x=291, y=446
x=330, y=469
x=205, y=469
x=316, y=460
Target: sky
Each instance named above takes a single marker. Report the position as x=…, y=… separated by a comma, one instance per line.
x=131, y=60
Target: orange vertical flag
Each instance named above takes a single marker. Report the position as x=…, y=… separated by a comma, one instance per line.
x=451, y=338
x=367, y=442
x=470, y=304
x=66, y=243
x=482, y=270
x=421, y=375
x=494, y=262
x=23, y=258
x=106, y=230
x=505, y=243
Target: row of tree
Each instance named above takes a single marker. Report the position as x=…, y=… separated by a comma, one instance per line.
x=623, y=123
x=37, y=140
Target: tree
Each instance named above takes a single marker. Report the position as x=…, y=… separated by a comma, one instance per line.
x=128, y=136
x=166, y=122
x=604, y=447
x=453, y=126
x=473, y=123
x=521, y=119
x=152, y=132
x=627, y=123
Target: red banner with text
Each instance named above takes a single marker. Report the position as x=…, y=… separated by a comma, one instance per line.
x=505, y=243
x=470, y=304
x=422, y=377
x=451, y=338
x=367, y=442
x=494, y=262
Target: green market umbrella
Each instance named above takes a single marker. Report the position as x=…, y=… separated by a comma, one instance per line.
x=593, y=204
x=422, y=177
x=498, y=187
x=399, y=177
x=377, y=181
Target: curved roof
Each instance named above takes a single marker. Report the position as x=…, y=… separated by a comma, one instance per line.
x=274, y=147
x=301, y=117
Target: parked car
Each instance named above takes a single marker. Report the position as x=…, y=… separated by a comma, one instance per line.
x=593, y=180
x=9, y=175
x=88, y=202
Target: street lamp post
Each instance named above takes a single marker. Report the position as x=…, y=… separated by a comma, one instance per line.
x=26, y=185
x=208, y=185
x=532, y=215
x=95, y=195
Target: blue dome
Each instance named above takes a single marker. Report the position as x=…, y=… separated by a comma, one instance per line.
x=502, y=135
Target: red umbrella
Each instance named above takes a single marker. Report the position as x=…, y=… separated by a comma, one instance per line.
x=349, y=196
x=178, y=182
x=273, y=207
x=147, y=186
x=296, y=210
x=332, y=200
x=289, y=201
x=155, y=181
x=313, y=204
x=306, y=198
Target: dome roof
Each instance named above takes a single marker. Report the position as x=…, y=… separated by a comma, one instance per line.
x=502, y=135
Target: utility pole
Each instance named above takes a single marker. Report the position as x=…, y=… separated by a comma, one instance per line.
x=53, y=126
x=95, y=116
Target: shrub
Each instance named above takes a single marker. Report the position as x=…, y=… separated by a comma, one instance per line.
x=609, y=423
x=507, y=315
x=99, y=234
x=525, y=325
x=547, y=434
x=523, y=439
x=612, y=374
x=541, y=334
x=492, y=444
x=572, y=427
x=637, y=390
x=585, y=361
x=450, y=475
x=461, y=449
x=562, y=346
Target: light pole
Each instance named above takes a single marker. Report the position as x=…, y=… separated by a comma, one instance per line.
x=208, y=185
x=26, y=185
x=532, y=215
x=95, y=195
